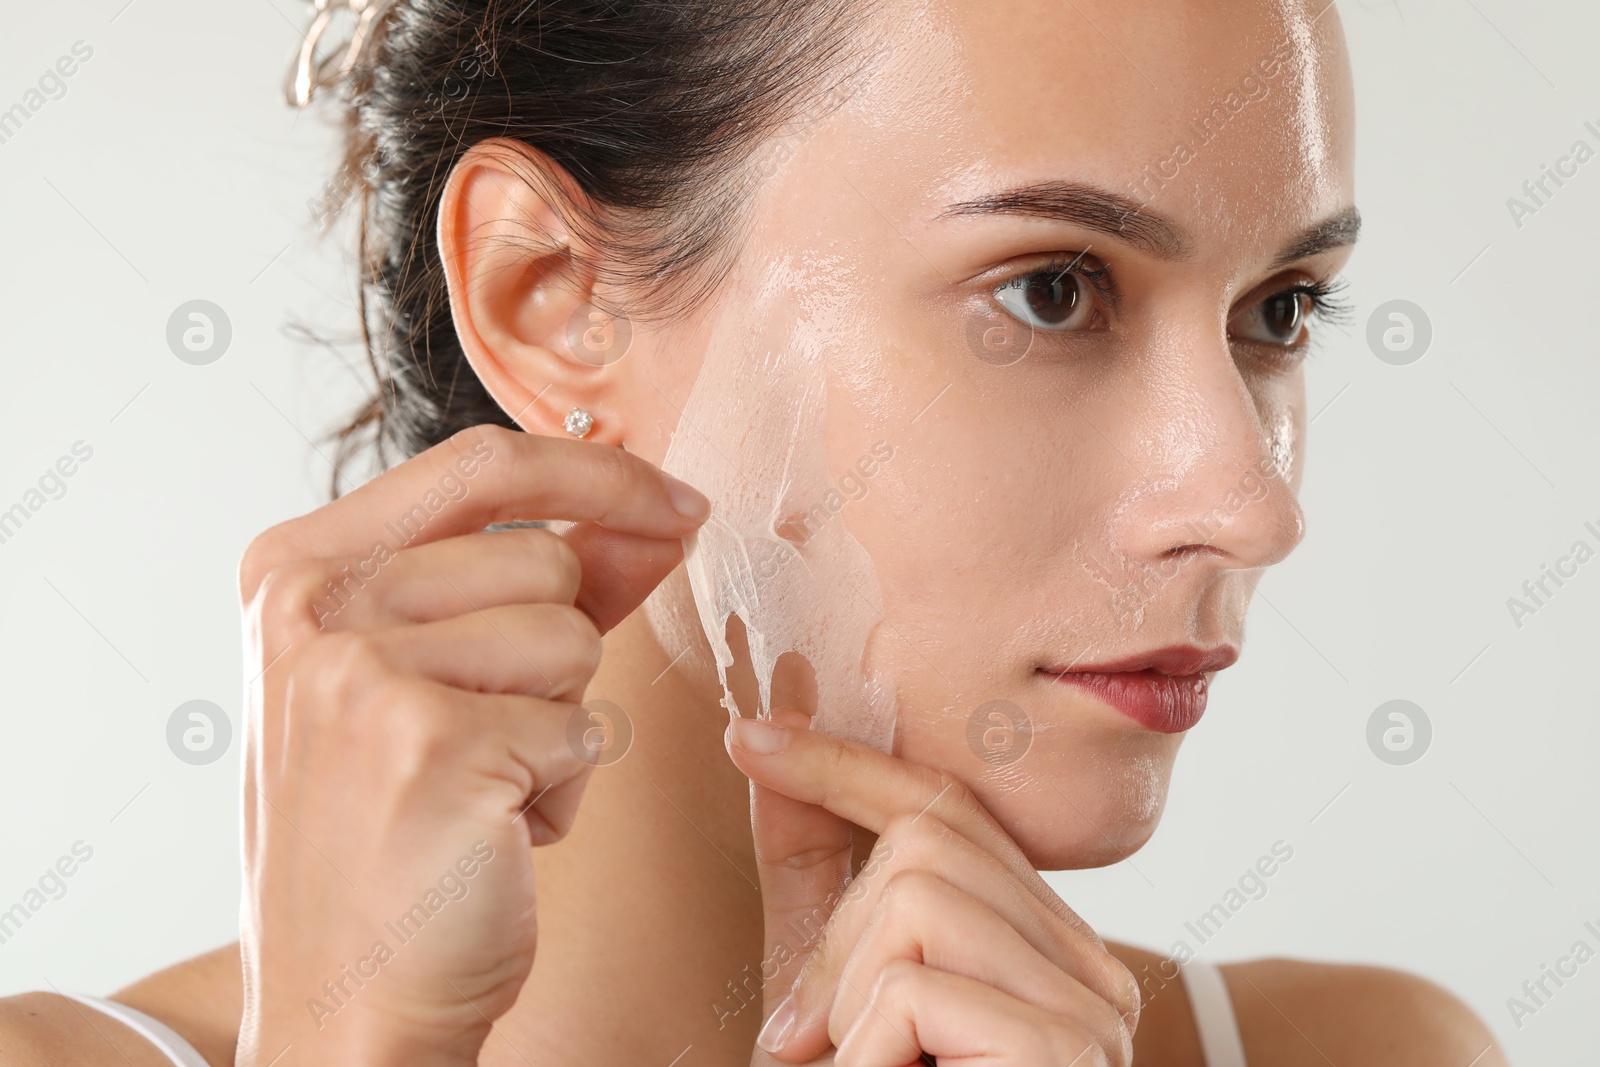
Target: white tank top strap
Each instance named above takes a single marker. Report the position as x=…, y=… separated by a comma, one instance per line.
x=1213, y=1015
x=158, y=1034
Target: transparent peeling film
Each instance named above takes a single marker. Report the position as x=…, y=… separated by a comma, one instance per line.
x=752, y=436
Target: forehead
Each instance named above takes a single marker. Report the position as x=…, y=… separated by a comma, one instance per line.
x=1232, y=117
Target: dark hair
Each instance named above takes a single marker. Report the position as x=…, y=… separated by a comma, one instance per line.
x=653, y=107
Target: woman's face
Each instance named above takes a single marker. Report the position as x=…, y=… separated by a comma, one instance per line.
x=1049, y=261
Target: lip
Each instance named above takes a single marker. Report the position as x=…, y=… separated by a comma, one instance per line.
x=1163, y=690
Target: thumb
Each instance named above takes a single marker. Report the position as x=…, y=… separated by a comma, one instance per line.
x=619, y=570
x=803, y=858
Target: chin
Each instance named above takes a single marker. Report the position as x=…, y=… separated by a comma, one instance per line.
x=1070, y=805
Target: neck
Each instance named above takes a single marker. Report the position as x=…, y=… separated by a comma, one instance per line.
x=649, y=915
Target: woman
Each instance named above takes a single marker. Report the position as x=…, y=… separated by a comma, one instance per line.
x=981, y=328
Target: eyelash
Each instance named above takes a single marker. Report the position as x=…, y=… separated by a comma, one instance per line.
x=1327, y=304
x=1099, y=278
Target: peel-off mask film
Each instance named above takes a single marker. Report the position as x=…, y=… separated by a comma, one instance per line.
x=775, y=551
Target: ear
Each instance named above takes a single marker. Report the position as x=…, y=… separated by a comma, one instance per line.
x=520, y=293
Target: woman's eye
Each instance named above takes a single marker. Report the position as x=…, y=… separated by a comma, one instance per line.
x=1054, y=299
x=1277, y=320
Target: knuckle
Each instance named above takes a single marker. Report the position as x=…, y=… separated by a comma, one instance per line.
x=348, y=670
x=345, y=703
x=953, y=790
x=911, y=899
x=562, y=641
x=419, y=723
x=895, y=842
x=1111, y=1015
x=835, y=760
x=915, y=840
x=1103, y=1020
x=881, y=864
x=473, y=438
x=912, y=889
x=1119, y=1040
x=897, y=980
x=556, y=553
x=1126, y=1001
x=265, y=552
x=618, y=467
x=1116, y=1044
x=484, y=442
x=582, y=632
x=895, y=983
x=285, y=593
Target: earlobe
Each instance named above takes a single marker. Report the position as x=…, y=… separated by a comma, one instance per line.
x=521, y=291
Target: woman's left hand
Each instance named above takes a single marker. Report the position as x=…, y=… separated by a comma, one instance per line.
x=947, y=944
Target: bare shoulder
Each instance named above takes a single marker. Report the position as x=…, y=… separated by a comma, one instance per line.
x=1294, y=1012
x=201, y=999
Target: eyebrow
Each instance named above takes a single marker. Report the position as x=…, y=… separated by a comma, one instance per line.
x=1333, y=232
x=1127, y=220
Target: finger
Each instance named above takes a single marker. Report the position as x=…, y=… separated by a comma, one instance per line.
x=447, y=578
x=923, y=918
x=524, y=742
x=357, y=717
x=915, y=1009
x=480, y=476
x=543, y=650
x=618, y=570
x=520, y=743
x=607, y=575
x=553, y=808
x=803, y=859
x=881, y=793
x=915, y=852
x=863, y=785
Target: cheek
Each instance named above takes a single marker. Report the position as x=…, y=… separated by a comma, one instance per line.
x=1281, y=443
x=976, y=521
x=756, y=435
x=1281, y=407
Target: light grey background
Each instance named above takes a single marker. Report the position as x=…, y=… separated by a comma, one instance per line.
x=170, y=171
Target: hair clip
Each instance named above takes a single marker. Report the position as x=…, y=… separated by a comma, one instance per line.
x=309, y=73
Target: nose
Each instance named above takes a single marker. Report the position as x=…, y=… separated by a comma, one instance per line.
x=1218, y=462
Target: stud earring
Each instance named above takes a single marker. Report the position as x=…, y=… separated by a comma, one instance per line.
x=578, y=422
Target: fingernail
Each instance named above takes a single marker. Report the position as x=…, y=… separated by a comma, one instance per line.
x=792, y=717
x=757, y=735
x=687, y=501
x=776, y=1032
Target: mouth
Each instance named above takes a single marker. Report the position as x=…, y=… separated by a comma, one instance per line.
x=1163, y=690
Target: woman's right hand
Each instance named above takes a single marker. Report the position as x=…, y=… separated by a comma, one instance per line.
x=416, y=683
